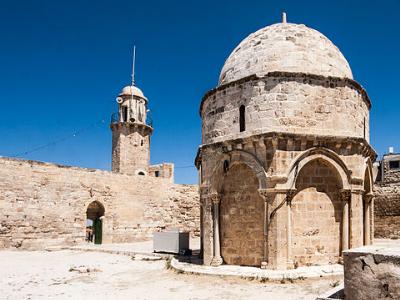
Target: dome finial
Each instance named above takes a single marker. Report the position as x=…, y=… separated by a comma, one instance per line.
x=283, y=17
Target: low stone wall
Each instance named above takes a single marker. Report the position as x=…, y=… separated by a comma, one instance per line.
x=44, y=204
x=387, y=210
x=372, y=273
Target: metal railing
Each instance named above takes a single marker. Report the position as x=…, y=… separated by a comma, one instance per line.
x=115, y=119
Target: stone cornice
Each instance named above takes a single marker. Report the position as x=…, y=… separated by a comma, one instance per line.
x=326, y=141
x=292, y=76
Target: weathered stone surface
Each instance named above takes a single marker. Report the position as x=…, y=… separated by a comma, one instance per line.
x=372, y=273
x=242, y=213
x=316, y=215
x=293, y=103
x=285, y=47
x=130, y=148
x=44, y=205
x=288, y=112
x=387, y=200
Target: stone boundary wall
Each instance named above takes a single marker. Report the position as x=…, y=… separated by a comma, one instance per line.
x=43, y=204
x=387, y=210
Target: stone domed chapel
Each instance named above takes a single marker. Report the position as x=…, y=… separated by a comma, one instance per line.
x=285, y=162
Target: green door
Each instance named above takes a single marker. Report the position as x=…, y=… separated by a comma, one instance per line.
x=97, y=224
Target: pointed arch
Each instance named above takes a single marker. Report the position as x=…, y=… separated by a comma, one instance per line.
x=368, y=176
x=95, y=209
x=324, y=154
x=94, y=230
x=231, y=158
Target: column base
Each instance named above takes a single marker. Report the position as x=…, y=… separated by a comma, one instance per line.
x=216, y=261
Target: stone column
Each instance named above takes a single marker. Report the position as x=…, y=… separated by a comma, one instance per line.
x=372, y=223
x=345, y=198
x=265, y=195
x=217, y=259
x=208, y=226
x=289, y=197
x=356, y=218
x=367, y=218
x=202, y=191
x=277, y=226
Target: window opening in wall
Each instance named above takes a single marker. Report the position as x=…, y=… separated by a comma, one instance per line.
x=364, y=129
x=141, y=143
x=124, y=114
x=242, y=118
x=226, y=166
x=394, y=164
x=157, y=173
x=141, y=173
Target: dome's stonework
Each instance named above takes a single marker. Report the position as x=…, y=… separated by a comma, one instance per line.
x=285, y=78
x=132, y=90
x=285, y=47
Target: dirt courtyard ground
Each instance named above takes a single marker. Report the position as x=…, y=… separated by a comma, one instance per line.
x=47, y=275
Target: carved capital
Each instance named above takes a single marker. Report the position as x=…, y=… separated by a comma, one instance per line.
x=368, y=197
x=214, y=197
x=345, y=195
x=203, y=189
x=267, y=195
x=263, y=192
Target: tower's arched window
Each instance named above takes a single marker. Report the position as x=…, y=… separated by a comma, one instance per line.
x=124, y=114
x=242, y=118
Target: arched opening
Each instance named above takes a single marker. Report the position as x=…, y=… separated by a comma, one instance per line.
x=141, y=173
x=94, y=222
x=124, y=113
x=242, y=118
x=316, y=215
x=241, y=217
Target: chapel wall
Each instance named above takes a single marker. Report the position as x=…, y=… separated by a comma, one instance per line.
x=277, y=154
x=316, y=216
x=286, y=103
x=241, y=215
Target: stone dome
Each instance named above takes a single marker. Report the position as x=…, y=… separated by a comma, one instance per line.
x=285, y=47
x=132, y=90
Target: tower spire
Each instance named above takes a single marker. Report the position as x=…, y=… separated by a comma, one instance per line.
x=133, y=65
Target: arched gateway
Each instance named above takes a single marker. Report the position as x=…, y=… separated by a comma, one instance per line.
x=94, y=222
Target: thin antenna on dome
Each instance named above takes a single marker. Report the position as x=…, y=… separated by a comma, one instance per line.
x=283, y=17
x=133, y=65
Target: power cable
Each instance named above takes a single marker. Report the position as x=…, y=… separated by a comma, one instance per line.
x=57, y=141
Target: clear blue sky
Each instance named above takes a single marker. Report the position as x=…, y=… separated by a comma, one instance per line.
x=62, y=65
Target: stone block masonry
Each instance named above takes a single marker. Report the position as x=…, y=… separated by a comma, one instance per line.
x=387, y=198
x=43, y=204
x=372, y=273
x=387, y=210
